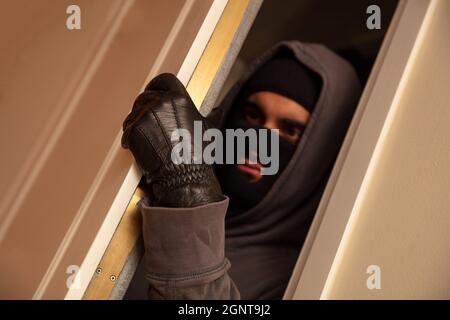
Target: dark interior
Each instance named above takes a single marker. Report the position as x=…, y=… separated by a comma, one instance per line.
x=340, y=25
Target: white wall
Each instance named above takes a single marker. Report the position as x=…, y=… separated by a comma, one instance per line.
x=401, y=221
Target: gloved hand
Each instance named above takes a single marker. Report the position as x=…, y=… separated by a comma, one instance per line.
x=164, y=106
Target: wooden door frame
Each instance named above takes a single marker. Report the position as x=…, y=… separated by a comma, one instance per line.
x=209, y=60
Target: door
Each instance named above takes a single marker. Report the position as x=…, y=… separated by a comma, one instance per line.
x=69, y=76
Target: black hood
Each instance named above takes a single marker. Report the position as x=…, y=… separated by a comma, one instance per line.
x=270, y=235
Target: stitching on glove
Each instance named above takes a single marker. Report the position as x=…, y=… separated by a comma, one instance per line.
x=177, y=119
x=169, y=144
x=181, y=176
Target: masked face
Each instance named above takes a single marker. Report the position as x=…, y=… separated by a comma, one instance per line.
x=244, y=183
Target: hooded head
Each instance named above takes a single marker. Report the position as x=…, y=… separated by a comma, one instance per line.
x=270, y=232
x=280, y=96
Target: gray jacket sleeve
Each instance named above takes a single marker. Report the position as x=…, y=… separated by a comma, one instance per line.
x=185, y=252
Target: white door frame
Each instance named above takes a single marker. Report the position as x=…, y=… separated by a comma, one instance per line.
x=134, y=175
x=335, y=216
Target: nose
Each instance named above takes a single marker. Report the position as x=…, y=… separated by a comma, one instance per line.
x=270, y=124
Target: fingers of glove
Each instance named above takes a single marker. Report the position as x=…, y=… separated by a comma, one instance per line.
x=171, y=111
x=162, y=108
x=166, y=82
x=146, y=100
x=142, y=104
x=157, y=119
x=144, y=152
x=157, y=134
x=147, y=103
x=186, y=113
x=169, y=87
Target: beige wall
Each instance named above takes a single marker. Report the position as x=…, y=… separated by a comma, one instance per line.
x=63, y=97
x=401, y=221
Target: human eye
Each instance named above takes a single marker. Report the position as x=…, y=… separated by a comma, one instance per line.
x=291, y=132
x=252, y=114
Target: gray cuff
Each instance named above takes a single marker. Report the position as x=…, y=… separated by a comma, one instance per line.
x=183, y=242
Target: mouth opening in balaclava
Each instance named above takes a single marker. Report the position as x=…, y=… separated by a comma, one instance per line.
x=283, y=74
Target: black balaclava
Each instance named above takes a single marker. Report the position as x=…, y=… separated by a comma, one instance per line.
x=283, y=75
x=264, y=242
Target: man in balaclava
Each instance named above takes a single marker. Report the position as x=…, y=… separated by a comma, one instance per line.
x=271, y=99
x=197, y=219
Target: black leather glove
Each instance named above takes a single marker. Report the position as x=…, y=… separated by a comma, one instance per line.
x=164, y=106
